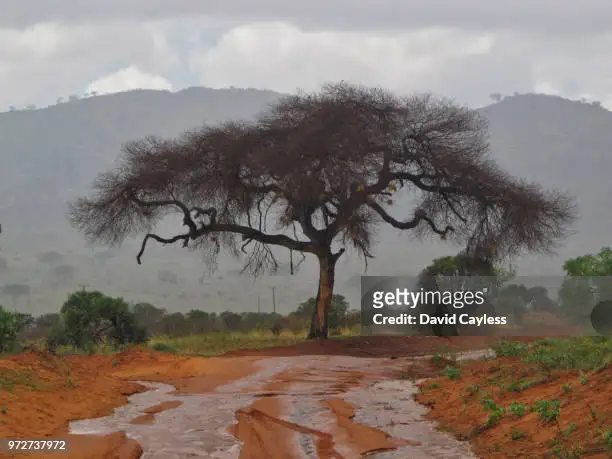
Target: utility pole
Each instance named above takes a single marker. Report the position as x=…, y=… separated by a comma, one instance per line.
x=258, y=304
x=274, y=300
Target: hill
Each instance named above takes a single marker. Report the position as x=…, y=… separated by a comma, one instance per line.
x=51, y=155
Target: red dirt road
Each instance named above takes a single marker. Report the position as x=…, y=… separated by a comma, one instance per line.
x=276, y=418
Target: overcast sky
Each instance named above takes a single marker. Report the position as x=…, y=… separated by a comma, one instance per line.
x=466, y=49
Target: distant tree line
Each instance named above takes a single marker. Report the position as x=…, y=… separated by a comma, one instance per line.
x=587, y=282
x=89, y=318
x=59, y=100
x=499, y=97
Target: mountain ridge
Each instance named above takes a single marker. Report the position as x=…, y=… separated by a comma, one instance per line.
x=51, y=155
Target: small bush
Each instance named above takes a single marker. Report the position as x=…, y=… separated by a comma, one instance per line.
x=581, y=353
x=518, y=409
x=163, y=347
x=548, y=411
x=9, y=328
x=566, y=388
x=452, y=373
x=488, y=404
x=510, y=349
x=570, y=429
x=607, y=438
x=495, y=416
x=443, y=359
x=276, y=329
x=91, y=318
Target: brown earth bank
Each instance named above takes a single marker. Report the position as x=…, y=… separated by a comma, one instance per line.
x=40, y=393
x=470, y=407
x=380, y=346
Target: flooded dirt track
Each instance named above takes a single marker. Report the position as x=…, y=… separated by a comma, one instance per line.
x=328, y=407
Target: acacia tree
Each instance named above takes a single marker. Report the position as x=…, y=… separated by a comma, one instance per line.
x=587, y=283
x=314, y=174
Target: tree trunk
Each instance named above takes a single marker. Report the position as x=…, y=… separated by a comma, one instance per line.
x=319, y=324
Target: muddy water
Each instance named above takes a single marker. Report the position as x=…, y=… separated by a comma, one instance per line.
x=301, y=386
x=391, y=408
x=197, y=428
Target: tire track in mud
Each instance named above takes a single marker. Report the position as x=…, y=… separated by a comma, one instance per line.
x=328, y=407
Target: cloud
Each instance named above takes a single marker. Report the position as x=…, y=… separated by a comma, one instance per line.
x=565, y=17
x=46, y=61
x=577, y=68
x=127, y=79
x=467, y=65
x=465, y=50
x=283, y=57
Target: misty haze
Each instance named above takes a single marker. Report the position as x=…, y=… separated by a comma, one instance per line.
x=52, y=155
x=305, y=230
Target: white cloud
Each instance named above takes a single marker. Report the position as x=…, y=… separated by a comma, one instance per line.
x=127, y=79
x=467, y=65
x=46, y=61
x=50, y=60
x=283, y=57
x=546, y=87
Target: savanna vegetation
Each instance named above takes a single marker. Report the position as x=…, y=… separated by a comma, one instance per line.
x=317, y=174
x=90, y=321
x=546, y=398
x=564, y=304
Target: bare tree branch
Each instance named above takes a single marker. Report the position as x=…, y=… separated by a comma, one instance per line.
x=419, y=217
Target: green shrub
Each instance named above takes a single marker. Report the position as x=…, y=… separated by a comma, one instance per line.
x=9, y=328
x=452, y=372
x=163, y=347
x=518, y=409
x=607, y=438
x=548, y=411
x=90, y=318
x=510, y=349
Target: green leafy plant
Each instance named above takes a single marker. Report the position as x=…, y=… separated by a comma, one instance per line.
x=518, y=409
x=548, y=411
x=452, y=373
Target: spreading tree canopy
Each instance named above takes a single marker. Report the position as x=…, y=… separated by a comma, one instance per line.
x=315, y=174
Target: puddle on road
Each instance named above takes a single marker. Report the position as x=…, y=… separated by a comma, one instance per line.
x=389, y=406
x=199, y=427
x=392, y=409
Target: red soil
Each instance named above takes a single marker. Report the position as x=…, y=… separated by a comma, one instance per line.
x=585, y=410
x=47, y=392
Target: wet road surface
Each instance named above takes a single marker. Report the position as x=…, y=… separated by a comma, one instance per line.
x=291, y=407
